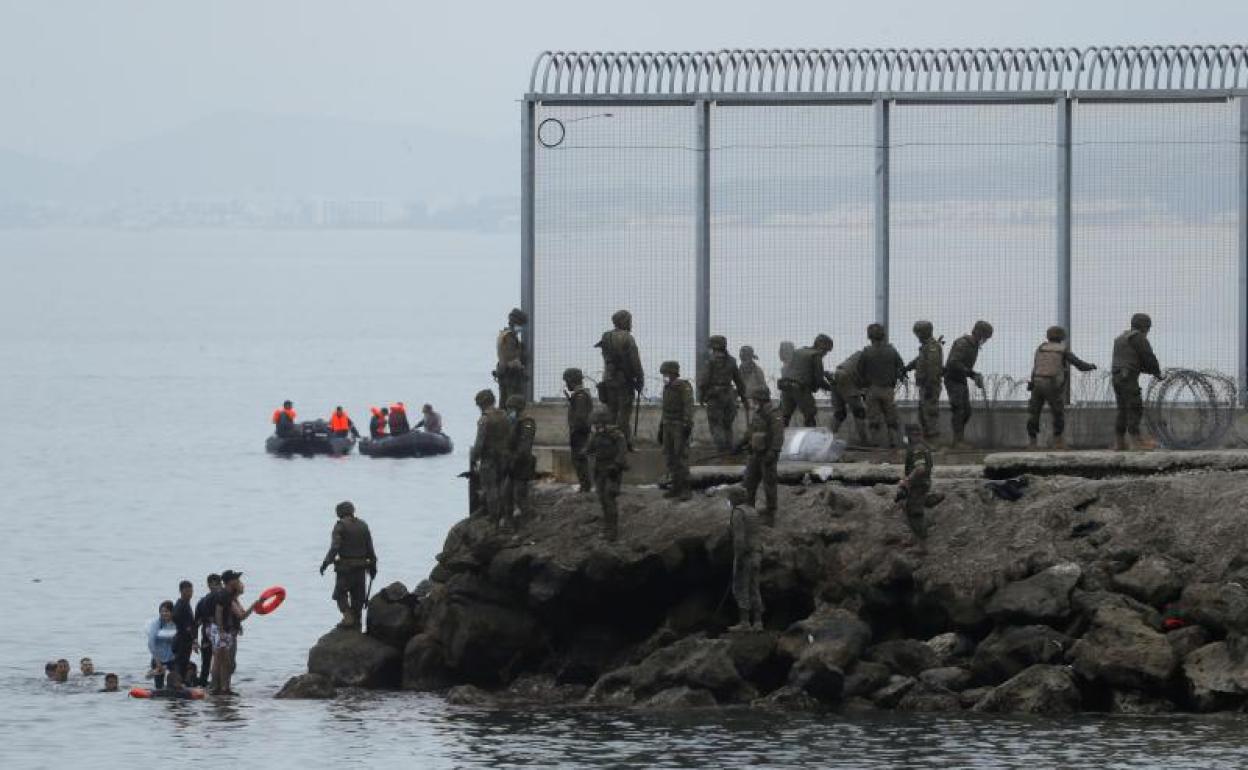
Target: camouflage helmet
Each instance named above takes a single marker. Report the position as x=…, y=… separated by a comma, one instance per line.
x=717, y=342
x=1141, y=322
x=923, y=329
x=1055, y=334
x=515, y=403
x=875, y=333
x=484, y=398
x=747, y=353
x=622, y=319
x=670, y=367
x=736, y=494
x=517, y=317
x=573, y=374
x=982, y=329
x=823, y=342
x=600, y=416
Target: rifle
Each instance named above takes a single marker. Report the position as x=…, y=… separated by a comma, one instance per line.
x=474, y=489
x=636, y=414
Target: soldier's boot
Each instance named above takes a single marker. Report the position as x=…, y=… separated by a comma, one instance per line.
x=348, y=619
x=1145, y=443
x=756, y=620
x=1059, y=443
x=683, y=493
x=958, y=442
x=743, y=619
x=1033, y=442
x=768, y=517
x=1120, y=443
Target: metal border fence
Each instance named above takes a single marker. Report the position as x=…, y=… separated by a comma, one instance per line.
x=882, y=78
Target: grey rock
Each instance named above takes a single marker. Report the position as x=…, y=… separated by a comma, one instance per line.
x=928, y=698
x=890, y=695
x=947, y=678
x=831, y=626
x=1216, y=677
x=693, y=662
x=675, y=698
x=614, y=688
x=818, y=673
x=907, y=657
x=391, y=617
x=1222, y=607
x=1186, y=640
x=1008, y=651
x=1121, y=651
x=1138, y=703
x=1086, y=603
x=471, y=695
x=789, y=698
x=1041, y=598
x=351, y=659
x=951, y=646
x=865, y=678
x=307, y=687
x=974, y=695
x=1152, y=580
x=1040, y=689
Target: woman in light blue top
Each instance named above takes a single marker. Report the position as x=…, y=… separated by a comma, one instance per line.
x=161, y=633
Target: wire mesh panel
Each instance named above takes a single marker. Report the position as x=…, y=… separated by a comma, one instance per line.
x=972, y=225
x=613, y=228
x=791, y=226
x=1154, y=228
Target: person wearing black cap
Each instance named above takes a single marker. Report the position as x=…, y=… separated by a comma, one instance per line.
x=351, y=553
x=229, y=617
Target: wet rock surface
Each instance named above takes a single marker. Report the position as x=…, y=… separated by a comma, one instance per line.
x=307, y=687
x=1049, y=604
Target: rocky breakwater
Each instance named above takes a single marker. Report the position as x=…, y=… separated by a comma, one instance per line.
x=1104, y=594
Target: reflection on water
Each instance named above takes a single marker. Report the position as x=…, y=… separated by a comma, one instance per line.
x=167, y=352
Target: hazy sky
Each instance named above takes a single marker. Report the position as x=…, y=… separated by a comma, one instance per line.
x=81, y=76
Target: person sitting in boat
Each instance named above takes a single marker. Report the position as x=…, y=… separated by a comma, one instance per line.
x=431, y=421
x=284, y=419
x=398, y=419
x=377, y=425
x=340, y=424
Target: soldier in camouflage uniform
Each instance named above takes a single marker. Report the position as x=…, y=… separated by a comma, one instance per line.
x=881, y=368
x=1133, y=356
x=804, y=375
x=719, y=387
x=580, y=408
x=751, y=373
x=609, y=450
x=847, y=397
x=488, y=456
x=764, y=439
x=509, y=371
x=745, y=560
x=788, y=371
x=622, y=375
x=917, y=482
x=1050, y=384
x=521, y=464
x=675, y=428
x=958, y=369
x=928, y=367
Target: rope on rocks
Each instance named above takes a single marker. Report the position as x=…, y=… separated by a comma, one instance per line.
x=1190, y=409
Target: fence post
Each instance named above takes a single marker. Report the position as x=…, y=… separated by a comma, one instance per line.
x=881, y=210
x=1243, y=251
x=702, y=270
x=1064, y=114
x=527, y=182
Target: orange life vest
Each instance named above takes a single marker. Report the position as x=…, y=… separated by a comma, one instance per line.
x=339, y=421
x=277, y=414
x=398, y=407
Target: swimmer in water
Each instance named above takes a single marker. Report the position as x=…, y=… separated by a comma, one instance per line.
x=110, y=683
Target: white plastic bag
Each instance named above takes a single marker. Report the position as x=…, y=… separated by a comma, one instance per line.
x=811, y=445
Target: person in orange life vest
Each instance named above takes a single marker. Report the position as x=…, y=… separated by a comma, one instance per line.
x=340, y=424
x=284, y=419
x=398, y=419
x=377, y=425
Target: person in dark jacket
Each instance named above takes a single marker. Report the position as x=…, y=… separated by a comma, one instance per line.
x=352, y=556
x=398, y=419
x=205, y=609
x=184, y=618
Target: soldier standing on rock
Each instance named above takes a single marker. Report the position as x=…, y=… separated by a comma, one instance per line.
x=1050, y=384
x=622, y=375
x=521, y=464
x=928, y=367
x=580, y=408
x=609, y=450
x=351, y=553
x=917, y=482
x=510, y=372
x=675, y=428
x=751, y=373
x=958, y=369
x=718, y=390
x=1133, y=356
x=764, y=439
x=881, y=368
x=847, y=397
x=805, y=376
x=489, y=454
x=745, y=561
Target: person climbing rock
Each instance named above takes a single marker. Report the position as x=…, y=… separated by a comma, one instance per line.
x=352, y=556
x=609, y=450
x=914, y=486
x=745, y=560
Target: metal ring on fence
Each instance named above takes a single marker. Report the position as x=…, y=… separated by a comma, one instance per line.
x=551, y=132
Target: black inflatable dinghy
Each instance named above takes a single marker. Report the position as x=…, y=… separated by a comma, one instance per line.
x=307, y=439
x=414, y=443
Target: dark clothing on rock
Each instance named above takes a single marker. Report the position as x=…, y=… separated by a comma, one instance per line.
x=719, y=389
x=765, y=440
x=609, y=450
x=1133, y=356
x=675, y=429
x=580, y=407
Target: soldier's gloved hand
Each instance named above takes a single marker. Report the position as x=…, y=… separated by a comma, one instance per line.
x=323, y=566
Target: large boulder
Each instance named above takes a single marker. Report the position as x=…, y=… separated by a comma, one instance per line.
x=1216, y=677
x=1008, y=651
x=307, y=687
x=1152, y=580
x=949, y=678
x=929, y=698
x=1041, y=598
x=907, y=657
x=694, y=662
x=951, y=646
x=1086, y=603
x=1040, y=689
x=833, y=627
x=351, y=659
x=1222, y=607
x=1121, y=651
x=1138, y=703
x=1186, y=640
x=893, y=691
x=391, y=615
x=679, y=698
x=865, y=678
x=820, y=672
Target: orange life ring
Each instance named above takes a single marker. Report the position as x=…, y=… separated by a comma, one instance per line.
x=140, y=692
x=270, y=600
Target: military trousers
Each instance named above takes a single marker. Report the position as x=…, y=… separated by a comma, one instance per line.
x=959, y=404
x=882, y=410
x=929, y=409
x=491, y=479
x=1130, y=403
x=745, y=568
x=578, y=443
x=676, y=455
x=761, y=469
x=517, y=497
x=916, y=506
x=619, y=402
x=846, y=399
x=511, y=382
x=721, y=413
x=608, y=487
x=349, y=587
x=1046, y=390
x=796, y=397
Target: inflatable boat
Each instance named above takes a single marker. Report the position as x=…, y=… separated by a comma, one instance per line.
x=307, y=439
x=414, y=443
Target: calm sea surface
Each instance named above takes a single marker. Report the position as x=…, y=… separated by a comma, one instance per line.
x=138, y=372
